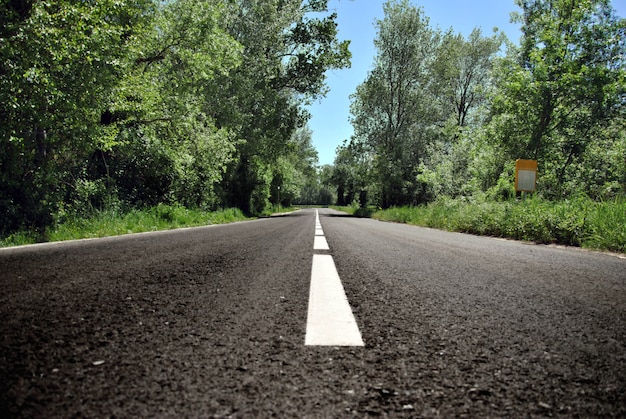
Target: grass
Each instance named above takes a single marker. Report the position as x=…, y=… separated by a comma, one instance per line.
x=575, y=222
x=113, y=223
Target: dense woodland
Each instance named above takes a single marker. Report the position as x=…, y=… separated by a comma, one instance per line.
x=127, y=104
x=442, y=115
x=120, y=104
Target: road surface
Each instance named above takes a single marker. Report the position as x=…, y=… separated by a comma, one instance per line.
x=219, y=322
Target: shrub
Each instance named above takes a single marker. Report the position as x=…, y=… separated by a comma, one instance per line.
x=578, y=221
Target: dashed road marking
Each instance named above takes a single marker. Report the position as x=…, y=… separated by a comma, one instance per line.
x=320, y=243
x=318, y=226
x=330, y=321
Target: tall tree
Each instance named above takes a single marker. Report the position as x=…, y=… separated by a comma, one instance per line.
x=287, y=52
x=160, y=107
x=392, y=113
x=59, y=62
x=462, y=72
x=461, y=87
x=565, y=85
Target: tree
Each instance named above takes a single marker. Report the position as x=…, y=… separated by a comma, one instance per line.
x=295, y=169
x=120, y=104
x=462, y=72
x=353, y=174
x=393, y=115
x=162, y=105
x=59, y=62
x=564, y=86
x=286, y=54
x=462, y=84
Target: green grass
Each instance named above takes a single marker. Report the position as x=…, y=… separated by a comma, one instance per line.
x=112, y=223
x=576, y=222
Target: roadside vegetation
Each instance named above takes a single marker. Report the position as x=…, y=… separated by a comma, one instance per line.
x=442, y=115
x=165, y=109
x=174, y=110
x=441, y=119
x=113, y=223
x=574, y=222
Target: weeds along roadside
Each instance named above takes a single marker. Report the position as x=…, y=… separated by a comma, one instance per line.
x=112, y=223
x=580, y=221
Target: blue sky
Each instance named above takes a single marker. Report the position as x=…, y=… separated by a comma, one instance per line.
x=330, y=115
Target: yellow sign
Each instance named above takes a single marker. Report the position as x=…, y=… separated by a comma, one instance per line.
x=525, y=175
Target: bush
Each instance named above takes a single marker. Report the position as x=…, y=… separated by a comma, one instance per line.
x=575, y=222
x=113, y=222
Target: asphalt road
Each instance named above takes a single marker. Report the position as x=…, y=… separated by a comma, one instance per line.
x=211, y=322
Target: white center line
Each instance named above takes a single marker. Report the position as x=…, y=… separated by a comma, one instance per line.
x=318, y=226
x=330, y=321
x=320, y=243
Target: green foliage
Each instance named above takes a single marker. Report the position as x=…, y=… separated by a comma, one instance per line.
x=260, y=197
x=59, y=62
x=461, y=76
x=504, y=189
x=392, y=110
x=416, y=115
x=607, y=223
x=120, y=105
x=287, y=50
x=575, y=222
x=165, y=136
x=352, y=174
x=295, y=170
x=562, y=90
x=113, y=223
x=443, y=118
x=318, y=188
x=357, y=210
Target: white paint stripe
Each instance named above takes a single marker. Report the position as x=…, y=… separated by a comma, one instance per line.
x=330, y=321
x=320, y=243
x=319, y=231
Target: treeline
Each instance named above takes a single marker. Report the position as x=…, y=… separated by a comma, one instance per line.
x=442, y=115
x=125, y=104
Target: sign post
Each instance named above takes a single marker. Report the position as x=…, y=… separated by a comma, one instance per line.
x=525, y=175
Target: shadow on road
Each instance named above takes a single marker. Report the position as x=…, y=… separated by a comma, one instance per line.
x=346, y=215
